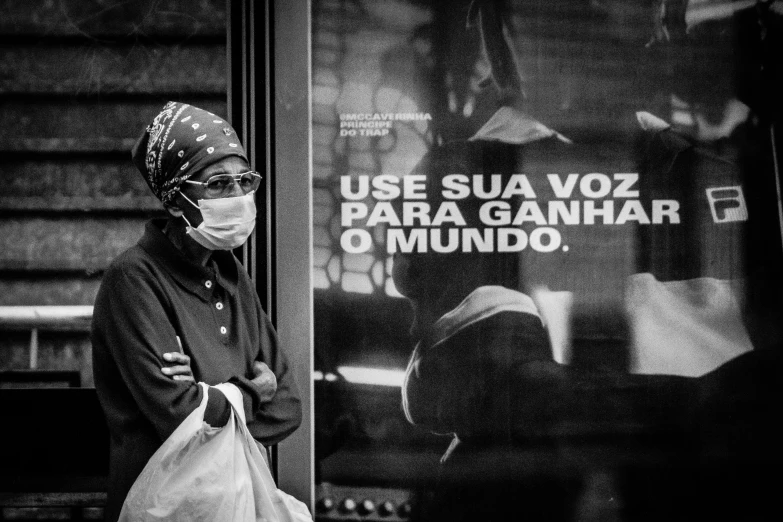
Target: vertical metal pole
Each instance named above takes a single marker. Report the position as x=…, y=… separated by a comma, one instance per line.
x=291, y=153
x=239, y=58
x=34, y=348
x=250, y=94
x=264, y=81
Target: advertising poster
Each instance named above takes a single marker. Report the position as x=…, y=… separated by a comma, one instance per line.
x=547, y=253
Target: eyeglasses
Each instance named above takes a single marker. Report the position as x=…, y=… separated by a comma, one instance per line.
x=222, y=184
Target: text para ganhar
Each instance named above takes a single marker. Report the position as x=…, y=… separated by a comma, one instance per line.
x=414, y=225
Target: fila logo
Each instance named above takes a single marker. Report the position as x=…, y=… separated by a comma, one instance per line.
x=727, y=204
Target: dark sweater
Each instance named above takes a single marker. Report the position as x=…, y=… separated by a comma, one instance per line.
x=150, y=295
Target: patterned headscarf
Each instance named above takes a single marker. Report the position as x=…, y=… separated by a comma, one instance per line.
x=181, y=141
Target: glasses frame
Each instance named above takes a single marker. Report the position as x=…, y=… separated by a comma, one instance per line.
x=235, y=177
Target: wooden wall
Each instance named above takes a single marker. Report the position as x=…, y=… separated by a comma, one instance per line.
x=79, y=81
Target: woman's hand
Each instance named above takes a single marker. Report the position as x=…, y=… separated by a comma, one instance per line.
x=265, y=379
x=180, y=371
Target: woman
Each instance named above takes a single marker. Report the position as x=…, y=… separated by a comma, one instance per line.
x=178, y=308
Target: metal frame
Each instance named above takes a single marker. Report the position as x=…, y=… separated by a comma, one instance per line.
x=37, y=318
x=269, y=104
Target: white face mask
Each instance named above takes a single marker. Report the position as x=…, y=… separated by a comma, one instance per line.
x=227, y=222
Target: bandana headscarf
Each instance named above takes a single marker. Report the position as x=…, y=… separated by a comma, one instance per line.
x=181, y=141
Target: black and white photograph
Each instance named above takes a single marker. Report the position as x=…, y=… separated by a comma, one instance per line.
x=391, y=260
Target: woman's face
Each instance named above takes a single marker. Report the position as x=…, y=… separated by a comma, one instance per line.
x=229, y=165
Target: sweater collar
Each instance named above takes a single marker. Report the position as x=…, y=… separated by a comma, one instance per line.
x=222, y=268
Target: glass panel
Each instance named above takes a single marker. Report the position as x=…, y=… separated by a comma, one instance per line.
x=554, y=285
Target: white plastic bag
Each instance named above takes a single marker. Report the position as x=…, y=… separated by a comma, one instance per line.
x=201, y=473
